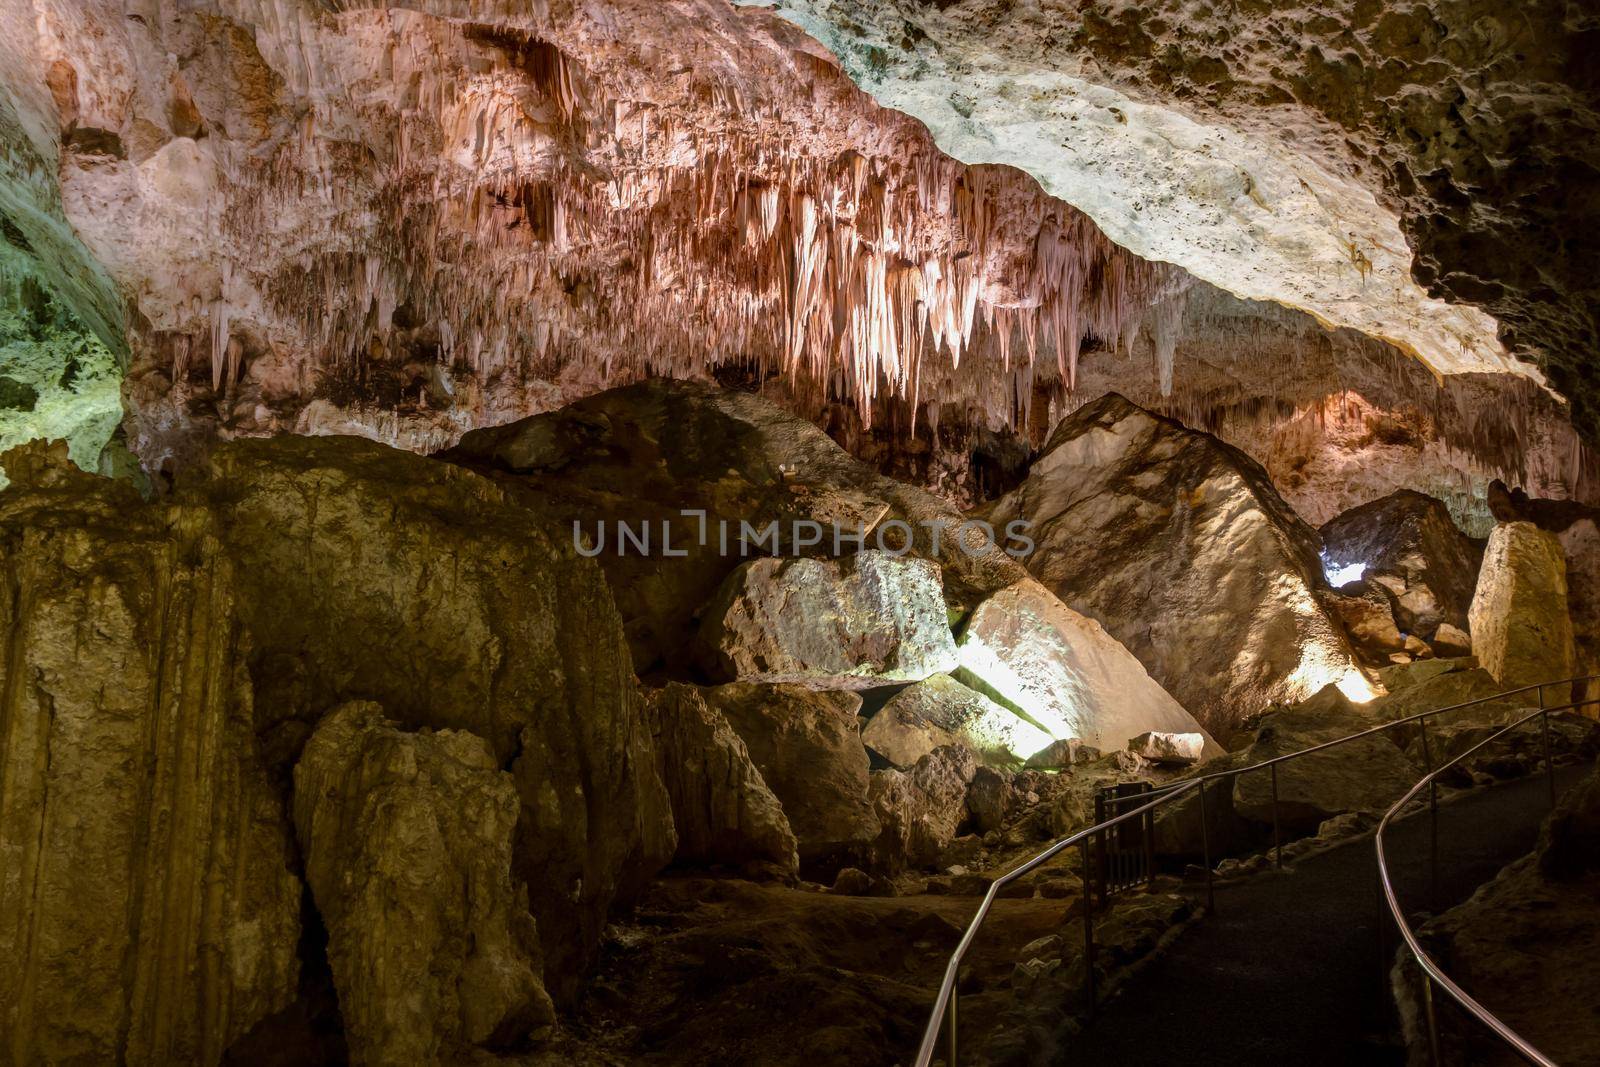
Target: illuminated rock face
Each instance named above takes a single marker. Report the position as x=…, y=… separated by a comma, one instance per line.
x=1521, y=629
x=1063, y=672
x=866, y=620
x=1179, y=545
x=148, y=912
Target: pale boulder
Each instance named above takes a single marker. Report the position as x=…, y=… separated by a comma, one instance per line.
x=1063, y=673
x=996, y=733
x=407, y=839
x=1168, y=748
x=1521, y=627
x=862, y=621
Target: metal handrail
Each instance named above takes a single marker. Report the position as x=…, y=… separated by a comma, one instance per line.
x=1432, y=972
x=944, y=1006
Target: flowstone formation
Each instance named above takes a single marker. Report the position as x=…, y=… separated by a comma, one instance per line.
x=147, y=903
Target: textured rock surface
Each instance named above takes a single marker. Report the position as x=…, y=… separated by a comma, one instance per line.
x=808, y=748
x=646, y=453
x=865, y=620
x=1181, y=547
x=996, y=733
x=370, y=573
x=921, y=809
x=1168, y=748
x=1407, y=545
x=1524, y=943
x=901, y=737
x=1063, y=672
x=407, y=839
x=1521, y=627
x=1220, y=137
x=148, y=914
x=721, y=806
x=1366, y=775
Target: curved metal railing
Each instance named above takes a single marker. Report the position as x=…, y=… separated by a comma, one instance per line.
x=1432, y=974
x=944, y=1014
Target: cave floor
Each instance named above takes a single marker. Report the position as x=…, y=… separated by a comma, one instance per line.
x=1288, y=968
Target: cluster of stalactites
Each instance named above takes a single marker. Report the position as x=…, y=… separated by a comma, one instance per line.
x=528, y=233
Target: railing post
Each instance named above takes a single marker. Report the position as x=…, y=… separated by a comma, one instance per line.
x=1150, y=848
x=1433, y=821
x=1432, y=1016
x=1549, y=757
x=950, y=1021
x=1088, y=931
x=1277, y=833
x=1205, y=850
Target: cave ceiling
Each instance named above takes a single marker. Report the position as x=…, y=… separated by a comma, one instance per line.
x=946, y=221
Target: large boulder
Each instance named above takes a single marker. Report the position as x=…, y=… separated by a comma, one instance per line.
x=722, y=808
x=921, y=809
x=148, y=913
x=1179, y=545
x=1407, y=545
x=807, y=746
x=720, y=466
x=865, y=620
x=939, y=710
x=1063, y=673
x=407, y=840
x=1521, y=627
x=1366, y=775
x=370, y=573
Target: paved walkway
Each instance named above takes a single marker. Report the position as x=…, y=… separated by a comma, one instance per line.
x=1287, y=971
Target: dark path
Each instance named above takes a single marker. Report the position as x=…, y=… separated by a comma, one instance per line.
x=1287, y=971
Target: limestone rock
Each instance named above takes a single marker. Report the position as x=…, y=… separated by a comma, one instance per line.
x=1063, y=753
x=148, y=913
x=1365, y=775
x=901, y=737
x=1368, y=617
x=1180, y=749
x=989, y=798
x=1063, y=672
x=865, y=620
x=921, y=810
x=407, y=840
x=1180, y=546
x=1450, y=641
x=721, y=806
x=371, y=573
x=996, y=733
x=1408, y=545
x=1521, y=628
x=808, y=749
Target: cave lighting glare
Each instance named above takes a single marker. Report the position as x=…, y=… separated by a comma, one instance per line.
x=1342, y=574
